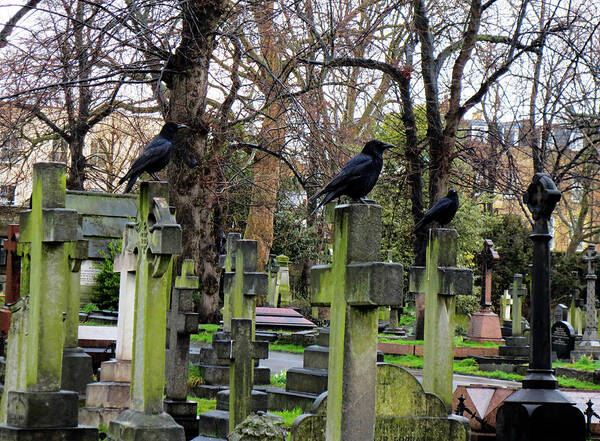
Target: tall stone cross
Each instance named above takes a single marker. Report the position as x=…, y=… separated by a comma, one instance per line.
x=356, y=284
x=241, y=282
x=181, y=322
x=517, y=292
x=441, y=281
x=591, y=319
x=33, y=398
x=125, y=264
x=506, y=302
x=13, y=276
x=242, y=351
x=156, y=237
x=487, y=258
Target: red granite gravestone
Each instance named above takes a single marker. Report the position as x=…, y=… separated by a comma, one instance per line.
x=13, y=277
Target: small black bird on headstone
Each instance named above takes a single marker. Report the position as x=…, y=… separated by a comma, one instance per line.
x=155, y=156
x=442, y=212
x=359, y=175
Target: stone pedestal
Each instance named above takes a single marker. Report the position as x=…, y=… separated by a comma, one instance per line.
x=485, y=326
x=132, y=425
x=77, y=370
x=589, y=345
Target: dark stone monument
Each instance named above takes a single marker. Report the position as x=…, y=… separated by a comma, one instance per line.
x=563, y=339
x=181, y=322
x=589, y=345
x=539, y=411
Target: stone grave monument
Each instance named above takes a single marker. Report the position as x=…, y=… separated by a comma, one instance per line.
x=516, y=349
x=505, y=315
x=563, y=339
x=539, y=411
x=33, y=404
x=13, y=275
x=403, y=412
x=283, y=294
x=356, y=284
x=156, y=237
x=484, y=324
x=589, y=344
x=441, y=281
x=272, y=269
x=107, y=398
x=181, y=322
x=242, y=283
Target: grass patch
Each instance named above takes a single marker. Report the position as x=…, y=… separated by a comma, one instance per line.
x=572, y=383
x=195, y=377
x=409, y=361
x=93, y=323
x=205, y=332
x=583, y=364
x=278, y=379
x=204, y=404
x=458, y=341
x=296, y=349
x=288, y=415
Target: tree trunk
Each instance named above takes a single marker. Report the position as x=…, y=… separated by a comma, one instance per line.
x=77, y=170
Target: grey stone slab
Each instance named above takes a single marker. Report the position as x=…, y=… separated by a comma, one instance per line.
x=101, y=203
x=323, y=337
x=259, y=400
x=316, y=357
x=219, y=375
x=137, y=426
x=108, y=394
x=80, y=433
x=42, y=409
x=77, y=370
x=214, y=423
x=280, y=399
x=312, y=381
x=95, y=416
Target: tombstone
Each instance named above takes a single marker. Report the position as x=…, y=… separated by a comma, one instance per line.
x=574, y=297
x=33, y=406
x=505, y=315
x=157, y=237
x=484, y=324
x=13, y=276
x=272, y=270
x=283, y=292
x=241, y=285
x=181, y=322
x=563, y=339
x=107, y=398
x=539, y=411
x=561, y=313
x=517, y=348
x=441, y=281
x=589, y=344
x=403, y=412
x=355, y=285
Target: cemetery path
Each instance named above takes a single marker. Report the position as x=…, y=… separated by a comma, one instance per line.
x=282, y=361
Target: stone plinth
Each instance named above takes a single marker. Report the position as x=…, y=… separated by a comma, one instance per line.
x=485, y=326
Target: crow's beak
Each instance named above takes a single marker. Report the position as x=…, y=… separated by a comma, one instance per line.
x=182, y=126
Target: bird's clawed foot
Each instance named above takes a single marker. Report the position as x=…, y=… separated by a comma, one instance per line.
x=156, y=178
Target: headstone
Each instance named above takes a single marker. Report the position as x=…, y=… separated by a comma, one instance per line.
x=33, y=404
x=563, y=339
x=590, y=345
x=272, y=270
x=441, y=281
x=403, y=412
x=517, y=347
x=484, y=324
x=13, y=278
x=283, y=293
x=355, y=284
x=181, y=322
x=561, y=313
x=539, y=410
x=107, y=398
x=157, y=237
x=506, y=318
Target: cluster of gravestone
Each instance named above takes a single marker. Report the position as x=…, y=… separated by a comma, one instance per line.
x=346, y=393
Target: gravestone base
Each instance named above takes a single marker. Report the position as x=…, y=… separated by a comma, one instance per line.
x=506, y=329
x=215, y=424
x=527, y=421
x=280, y=399
x=137, y=426
x=219, y=375
x=485, y=326
x=185, y=414
x=79, y=433
x=589, y=348
x=77, y=370
x=517, y=346
x=116, y=370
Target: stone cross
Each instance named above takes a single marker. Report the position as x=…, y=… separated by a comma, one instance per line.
x=441, y=281
x=272, y=269
x=533, y=408
x=487, y=258
x=591, y=320
x=156, y=237
x=517, y=292
x=33, y=398
x=506, y=302
x=356, y=284
x=13, y=275
x=241, y=282
x=241, y=351
x=181, y=322
x=125, y=264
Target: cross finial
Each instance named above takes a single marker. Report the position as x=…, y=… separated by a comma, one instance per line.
x=590, y=257
x=541, y=198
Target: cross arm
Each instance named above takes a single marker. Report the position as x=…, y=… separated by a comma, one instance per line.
x=254, y=283
x=453, y=281
x=374, y=284
x=321, y=286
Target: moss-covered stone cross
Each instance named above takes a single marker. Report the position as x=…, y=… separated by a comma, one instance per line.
x=356, y=284
x=242, y=351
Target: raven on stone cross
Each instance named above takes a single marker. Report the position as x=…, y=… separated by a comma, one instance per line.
x=442, y=212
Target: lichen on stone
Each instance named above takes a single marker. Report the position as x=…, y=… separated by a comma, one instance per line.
x=259, y=427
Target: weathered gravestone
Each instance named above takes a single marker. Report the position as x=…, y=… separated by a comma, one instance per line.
x=484, y=324
x=107, y=398
x=33, y=406
x=563, y=339
x=539, y=411
x=589, y=345
x=13, y=275
x=181, y=322
x=505, y=316
x=242, y=283
x=283, y=294
x=561, y=312
x=516, y=349
x=157, y=237
x=403, y=412
x=441, y=281
x=356, y=284
x=272, y=269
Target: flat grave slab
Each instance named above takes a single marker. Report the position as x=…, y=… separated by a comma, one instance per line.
x=281, y=318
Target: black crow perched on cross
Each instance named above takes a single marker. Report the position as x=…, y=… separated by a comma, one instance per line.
x=442, y=212
x=359, y=175
x=155, y=156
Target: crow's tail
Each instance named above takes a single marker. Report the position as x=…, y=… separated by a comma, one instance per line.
x=130, y=184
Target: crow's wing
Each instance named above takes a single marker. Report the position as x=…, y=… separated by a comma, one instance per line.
x=434, y=212
x=157, y=142
x=355, y=169
x=148, y=156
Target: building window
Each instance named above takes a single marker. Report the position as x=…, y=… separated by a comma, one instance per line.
x=10, y=149
x=7, y=194
x=97, y=153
